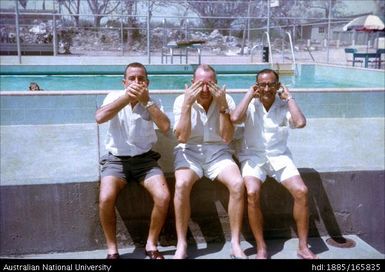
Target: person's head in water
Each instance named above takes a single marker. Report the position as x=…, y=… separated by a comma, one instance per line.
x=33, y=86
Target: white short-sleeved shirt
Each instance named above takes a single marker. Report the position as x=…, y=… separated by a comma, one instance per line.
x=205, y=152
x=131, y=132
x=204, y=127
x=266, y=133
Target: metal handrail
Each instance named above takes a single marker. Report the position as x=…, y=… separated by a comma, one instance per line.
x=311, y=55
x=292, y=51
x=256, y=46
x=252, y=52
x=291, y=47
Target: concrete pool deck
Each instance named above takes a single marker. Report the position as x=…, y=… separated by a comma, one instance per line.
x=215, y=257
x=336, y=56
x=343, y=169
x=278, y=249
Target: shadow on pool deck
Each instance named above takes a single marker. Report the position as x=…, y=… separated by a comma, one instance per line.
x=278, y=249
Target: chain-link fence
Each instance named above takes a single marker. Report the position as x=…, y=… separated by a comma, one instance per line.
x=310, y=29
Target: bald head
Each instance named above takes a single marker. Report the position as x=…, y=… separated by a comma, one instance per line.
x=204, y=69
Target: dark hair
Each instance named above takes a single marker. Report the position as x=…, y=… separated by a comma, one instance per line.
x=34, y=84
x=267, y=71
x=137, y=65
x=206, y=68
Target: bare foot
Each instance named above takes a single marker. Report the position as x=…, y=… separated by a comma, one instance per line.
x=261, y=254
x=306, y=254
x=180, y=253
x=237, y=253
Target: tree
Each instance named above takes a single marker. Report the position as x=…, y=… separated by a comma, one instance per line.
x=100, y=8
x=210, y=8
x=325, y=7
x=133, y=33
x=297, y=12
x=380, y=5
x=23, y=3
x=73, y=7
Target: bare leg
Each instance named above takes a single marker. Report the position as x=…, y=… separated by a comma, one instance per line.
x=110, y=188
x=232, y=178
x=184, y=181
x=253, y=187
x=298, y=190
x=157, y=187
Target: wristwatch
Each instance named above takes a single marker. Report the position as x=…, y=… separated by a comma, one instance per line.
x=148, y=104
x=289, y=98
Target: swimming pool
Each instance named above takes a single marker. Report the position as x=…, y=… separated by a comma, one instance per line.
x=17, y=78
x=323, y=91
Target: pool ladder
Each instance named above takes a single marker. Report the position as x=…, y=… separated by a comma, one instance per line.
x=282, y=67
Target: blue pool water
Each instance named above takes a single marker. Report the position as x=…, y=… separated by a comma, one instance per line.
x=161, y=82
x=309, y=87
x=238, y=77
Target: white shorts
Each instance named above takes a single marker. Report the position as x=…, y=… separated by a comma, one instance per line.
x=204, y=160
x=250, y=168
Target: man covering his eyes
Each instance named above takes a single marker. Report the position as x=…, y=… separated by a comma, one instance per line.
x=204, y=130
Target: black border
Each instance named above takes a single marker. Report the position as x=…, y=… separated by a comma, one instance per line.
x=199, y=265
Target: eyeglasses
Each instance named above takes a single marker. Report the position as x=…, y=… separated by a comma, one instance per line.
x=269, y=85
